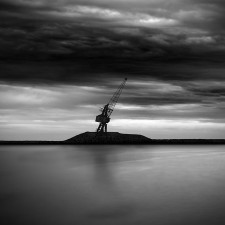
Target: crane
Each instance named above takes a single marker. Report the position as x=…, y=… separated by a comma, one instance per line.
x=107, y=110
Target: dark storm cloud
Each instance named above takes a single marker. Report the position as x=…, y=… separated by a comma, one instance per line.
x=137, y=33
x=71, y=55
x=82, y=42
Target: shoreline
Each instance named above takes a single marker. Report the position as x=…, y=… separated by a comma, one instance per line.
x=150, y=142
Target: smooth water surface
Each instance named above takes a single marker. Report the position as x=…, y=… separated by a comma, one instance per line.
x=110, y=185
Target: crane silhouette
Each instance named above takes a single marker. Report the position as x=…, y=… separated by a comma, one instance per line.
x=107, y=110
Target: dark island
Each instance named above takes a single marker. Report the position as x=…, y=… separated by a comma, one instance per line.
x=91, y=138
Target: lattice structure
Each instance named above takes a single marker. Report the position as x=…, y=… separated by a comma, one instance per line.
x=107, y=110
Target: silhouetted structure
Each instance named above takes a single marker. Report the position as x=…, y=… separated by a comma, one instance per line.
x=107, y=110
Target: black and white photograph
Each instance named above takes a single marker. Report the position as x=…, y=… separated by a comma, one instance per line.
x=112, y=112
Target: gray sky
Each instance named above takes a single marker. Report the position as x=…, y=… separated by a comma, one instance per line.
x=61, y=60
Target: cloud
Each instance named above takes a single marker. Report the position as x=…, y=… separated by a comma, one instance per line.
x=60, y=110
x=45, y=29
x=61, y=60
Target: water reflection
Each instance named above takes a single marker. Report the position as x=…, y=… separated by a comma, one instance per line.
x=103, y=170
x=123, y=185
x=111, y=201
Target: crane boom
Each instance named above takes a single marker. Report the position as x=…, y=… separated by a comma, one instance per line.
x=112, y=102
x=107, y=110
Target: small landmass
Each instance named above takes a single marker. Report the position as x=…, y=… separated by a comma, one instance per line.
x=108, y=138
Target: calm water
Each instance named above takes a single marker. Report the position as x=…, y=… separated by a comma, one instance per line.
x=110, y=185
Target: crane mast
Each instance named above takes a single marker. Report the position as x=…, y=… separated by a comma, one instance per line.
x=107, y=110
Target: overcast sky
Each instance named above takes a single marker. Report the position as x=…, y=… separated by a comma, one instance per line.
x=61, y=60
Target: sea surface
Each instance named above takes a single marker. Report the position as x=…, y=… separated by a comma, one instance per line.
x=112, y=185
